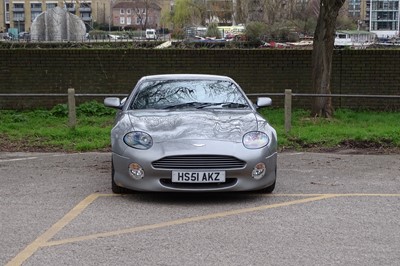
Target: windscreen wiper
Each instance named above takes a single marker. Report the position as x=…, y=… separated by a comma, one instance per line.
x=224, y=105
x=184, y=105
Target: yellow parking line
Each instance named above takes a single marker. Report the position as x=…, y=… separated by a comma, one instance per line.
x=336, y=195
x=367, y=195
x=46, y=236
x=184, y=221
x=44, y=239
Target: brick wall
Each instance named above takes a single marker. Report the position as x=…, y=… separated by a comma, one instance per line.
x=257, y=70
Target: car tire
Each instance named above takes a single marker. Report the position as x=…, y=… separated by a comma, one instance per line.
x=114, y=187
x=269, y=190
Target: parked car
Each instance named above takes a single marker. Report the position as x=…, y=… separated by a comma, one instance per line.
x=113, y=37
x=26, y=36
x=117, y=37
x=191, y=133
x=5, y=36
x=151, y=34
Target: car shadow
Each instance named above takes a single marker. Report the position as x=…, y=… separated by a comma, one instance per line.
x=201, y=198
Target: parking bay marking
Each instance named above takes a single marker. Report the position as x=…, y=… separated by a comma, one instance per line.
x=44, y=239
x=52, y=231
x=17, y=159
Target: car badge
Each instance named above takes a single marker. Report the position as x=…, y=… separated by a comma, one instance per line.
x=199, y=145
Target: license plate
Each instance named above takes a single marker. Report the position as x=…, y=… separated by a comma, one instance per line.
x=198, y=177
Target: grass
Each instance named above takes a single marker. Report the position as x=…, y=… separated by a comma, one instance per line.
x=47, y=130
x=359, y=129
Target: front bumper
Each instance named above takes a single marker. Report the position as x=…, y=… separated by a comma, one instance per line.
x=155, y=179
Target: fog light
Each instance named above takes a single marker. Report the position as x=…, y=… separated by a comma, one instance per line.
x=258, y=171
x=136, y=171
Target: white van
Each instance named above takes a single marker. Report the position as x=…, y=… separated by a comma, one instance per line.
x=151, y=34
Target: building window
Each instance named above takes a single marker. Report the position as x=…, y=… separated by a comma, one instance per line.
x=36, y=5
x=19, y=16
x=122, y=20
x=18, y=5
x=128, y=11
x=50, y=5
x=128, y=21
x=122, y=11
x=86, y=5
x=35, y=15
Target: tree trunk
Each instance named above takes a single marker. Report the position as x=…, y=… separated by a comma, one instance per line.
x=324, y=38
x=255, y=11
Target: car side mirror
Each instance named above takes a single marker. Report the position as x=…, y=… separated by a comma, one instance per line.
x=113, y=102
x=264, y=101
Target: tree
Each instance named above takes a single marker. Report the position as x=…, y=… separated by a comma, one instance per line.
x=212, y=30
x=187, y=12
x=324, y=38
x=240, y=11
x=304, y=18
x=221, y=11
x=255, y=11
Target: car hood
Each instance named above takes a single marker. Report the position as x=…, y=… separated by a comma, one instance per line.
x=208, y=124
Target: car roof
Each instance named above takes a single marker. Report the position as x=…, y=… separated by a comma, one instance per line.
x=185, y=76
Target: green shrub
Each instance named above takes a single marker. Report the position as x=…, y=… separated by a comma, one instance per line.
x=213, y=31
x=178, y=34
x=91, y=108
x=94, y=108
x=60, y=110
x=255, y=31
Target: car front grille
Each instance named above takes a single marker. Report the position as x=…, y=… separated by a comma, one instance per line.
x=199, y=162
x=230, y=182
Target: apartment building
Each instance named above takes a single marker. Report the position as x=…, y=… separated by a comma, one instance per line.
x=357, y=9
x=378, y=16
x=19, y=14
x=384, y=17
x=136, y=15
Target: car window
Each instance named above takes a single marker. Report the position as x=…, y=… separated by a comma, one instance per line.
x=167, y=94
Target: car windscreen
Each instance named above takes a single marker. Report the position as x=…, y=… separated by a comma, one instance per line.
x=171, y=94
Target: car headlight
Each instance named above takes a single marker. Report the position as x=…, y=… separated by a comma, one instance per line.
x=255, y=140
x=138, y=140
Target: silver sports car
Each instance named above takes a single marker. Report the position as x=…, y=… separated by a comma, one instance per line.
x=191, y=133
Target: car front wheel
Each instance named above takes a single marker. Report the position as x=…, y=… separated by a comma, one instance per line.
x=268, y=190
x=114, y=187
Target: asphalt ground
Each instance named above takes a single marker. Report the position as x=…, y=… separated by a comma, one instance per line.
x=327, y=209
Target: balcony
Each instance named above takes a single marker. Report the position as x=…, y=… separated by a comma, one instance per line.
x=87, y=19
x=18, y=10
x=18, y=19
x=85, y=9
x=36, y=9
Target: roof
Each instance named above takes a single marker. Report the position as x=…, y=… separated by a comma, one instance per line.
x=134, y=5
x=186, y=76
x=354, y=32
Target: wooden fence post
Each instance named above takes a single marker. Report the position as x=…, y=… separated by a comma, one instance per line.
x=288, y=111
x=71, y=108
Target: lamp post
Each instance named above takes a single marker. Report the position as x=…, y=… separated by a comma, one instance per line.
x=109, y=24
x=110, y=16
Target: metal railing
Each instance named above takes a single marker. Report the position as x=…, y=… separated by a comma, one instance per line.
x=288, y=95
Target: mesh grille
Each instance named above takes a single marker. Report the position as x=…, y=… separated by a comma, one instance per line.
x=199, y=162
